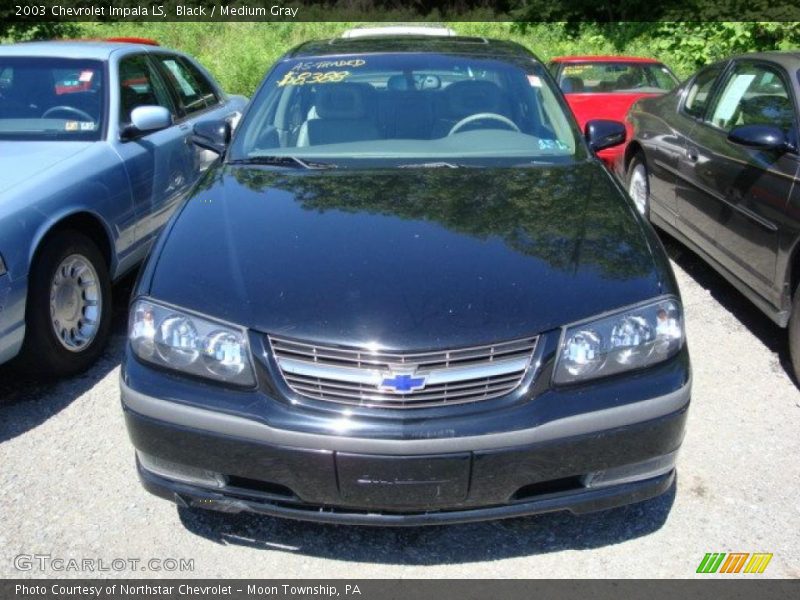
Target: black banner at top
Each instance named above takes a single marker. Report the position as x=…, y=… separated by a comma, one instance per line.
x=400, y=10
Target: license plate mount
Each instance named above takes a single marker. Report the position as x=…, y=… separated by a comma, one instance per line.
x=411, y=482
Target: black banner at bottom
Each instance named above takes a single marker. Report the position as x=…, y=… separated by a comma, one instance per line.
x=405, y=589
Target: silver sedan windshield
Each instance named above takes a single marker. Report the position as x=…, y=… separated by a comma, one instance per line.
x=51, y=98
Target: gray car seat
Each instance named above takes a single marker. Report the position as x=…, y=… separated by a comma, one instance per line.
x=572, y=85
x=407, y=113
x=344, y=112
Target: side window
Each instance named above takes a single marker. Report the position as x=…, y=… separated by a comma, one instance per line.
x=660, y=77
x=699, y=92
x=192, y=87
x=139, y=85
x=753, y=94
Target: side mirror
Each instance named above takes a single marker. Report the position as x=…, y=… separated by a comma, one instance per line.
x=212, y=135
x=602, y=134
x=145, y=119
x=763, y=137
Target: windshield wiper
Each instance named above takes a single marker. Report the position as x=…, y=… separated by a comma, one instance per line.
x=291, y=162
x=430, y=165
x=533, y=163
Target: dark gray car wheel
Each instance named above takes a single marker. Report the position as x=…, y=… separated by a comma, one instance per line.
x=794, y=334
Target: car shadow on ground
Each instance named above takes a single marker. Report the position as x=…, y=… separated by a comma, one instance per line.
x=443, y=544
x=27, y=401
x=768, y=333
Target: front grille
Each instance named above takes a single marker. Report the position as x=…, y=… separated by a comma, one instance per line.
x=376, y=378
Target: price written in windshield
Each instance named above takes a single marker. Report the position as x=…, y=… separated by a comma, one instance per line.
x=311, y=77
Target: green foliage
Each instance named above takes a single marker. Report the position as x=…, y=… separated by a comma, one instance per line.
x=240, y=53
x=692, y=45
x=23, y=31
x=683, y=46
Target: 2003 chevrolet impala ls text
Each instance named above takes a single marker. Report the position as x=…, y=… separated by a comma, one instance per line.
x=409, y=293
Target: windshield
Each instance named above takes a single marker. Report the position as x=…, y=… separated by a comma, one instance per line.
x=408, y=108
x=616, y=77
x=51, y=98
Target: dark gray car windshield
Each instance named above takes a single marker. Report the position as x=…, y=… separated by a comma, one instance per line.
x=46, y=98
x=408, y=108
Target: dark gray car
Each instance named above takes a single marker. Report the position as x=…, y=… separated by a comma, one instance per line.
x=715, y=163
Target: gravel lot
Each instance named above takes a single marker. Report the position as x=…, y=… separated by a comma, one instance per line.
x=68, y=486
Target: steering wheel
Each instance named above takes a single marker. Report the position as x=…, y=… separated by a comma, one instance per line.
x=70, y=109
x=480, y=117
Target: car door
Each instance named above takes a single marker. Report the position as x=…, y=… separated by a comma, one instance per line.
x=750, y=186
x=159, y=164
x=698, y=208
x=198, y=99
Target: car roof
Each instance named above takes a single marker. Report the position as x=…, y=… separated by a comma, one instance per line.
x=606, y=58
x=89, y=49
x=790, y=59
x=385, y=44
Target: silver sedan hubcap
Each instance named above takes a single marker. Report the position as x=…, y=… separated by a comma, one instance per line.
x=75, y=303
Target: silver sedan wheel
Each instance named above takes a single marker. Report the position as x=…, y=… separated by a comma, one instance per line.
x=75, y=302
x=637, y=188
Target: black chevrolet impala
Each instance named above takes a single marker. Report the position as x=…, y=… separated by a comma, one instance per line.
x=716, y=163
x=408, y=293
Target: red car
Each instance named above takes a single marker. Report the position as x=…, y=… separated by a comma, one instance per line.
x=605, y=87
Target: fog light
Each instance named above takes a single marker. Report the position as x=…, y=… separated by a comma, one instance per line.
x=640, y=471
x=179, y=472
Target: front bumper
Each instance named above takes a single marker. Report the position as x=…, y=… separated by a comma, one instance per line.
x=12, y=316
x=228, y=463
x=576, y=502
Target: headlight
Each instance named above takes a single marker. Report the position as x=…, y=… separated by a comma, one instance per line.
x=2, y=266
x=174, y=339
x=631, y=338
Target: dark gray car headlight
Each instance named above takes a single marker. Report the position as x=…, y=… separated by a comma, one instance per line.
x=183, y=341
x=631, y=338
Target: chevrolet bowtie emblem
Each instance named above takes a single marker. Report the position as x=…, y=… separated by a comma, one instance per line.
x=402, y=383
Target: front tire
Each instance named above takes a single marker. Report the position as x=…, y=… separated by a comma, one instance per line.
x=794, y=334
x=68, y=312
x=639, y=185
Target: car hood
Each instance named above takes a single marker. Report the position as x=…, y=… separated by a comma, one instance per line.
x=21, y=161
x=602, y=106
x=410, y=258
